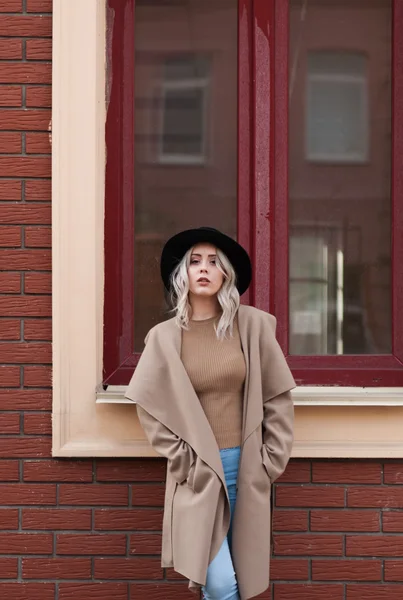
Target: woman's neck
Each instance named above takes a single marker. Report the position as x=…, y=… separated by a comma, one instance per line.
x=204, y=308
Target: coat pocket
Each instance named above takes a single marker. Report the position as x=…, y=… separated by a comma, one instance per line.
x=199, y=475
x=266, y=461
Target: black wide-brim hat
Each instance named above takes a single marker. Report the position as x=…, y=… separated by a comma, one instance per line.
x=177, y=246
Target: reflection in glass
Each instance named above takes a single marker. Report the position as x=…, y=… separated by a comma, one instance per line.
x=340, y=177
x=185, y=134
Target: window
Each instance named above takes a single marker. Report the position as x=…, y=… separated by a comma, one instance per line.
x=326, y=222
x=337, y=107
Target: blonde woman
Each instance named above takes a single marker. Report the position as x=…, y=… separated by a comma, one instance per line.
x=213, y=396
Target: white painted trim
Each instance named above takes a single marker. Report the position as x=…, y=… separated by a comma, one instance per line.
x=78, y=159
x=303, y=396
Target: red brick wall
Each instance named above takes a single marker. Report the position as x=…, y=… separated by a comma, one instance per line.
x=91, y=529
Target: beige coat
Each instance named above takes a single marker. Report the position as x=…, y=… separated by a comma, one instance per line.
x=197, y=511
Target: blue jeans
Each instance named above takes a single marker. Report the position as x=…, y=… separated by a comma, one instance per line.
x=221, y=581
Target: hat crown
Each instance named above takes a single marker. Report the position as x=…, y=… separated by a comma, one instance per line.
x=177, y=246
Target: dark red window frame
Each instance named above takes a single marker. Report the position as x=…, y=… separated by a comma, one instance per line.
x=262, y=192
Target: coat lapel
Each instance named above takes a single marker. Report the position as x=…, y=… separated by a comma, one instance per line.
x=162, y=387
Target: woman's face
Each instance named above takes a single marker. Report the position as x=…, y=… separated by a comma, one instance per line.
x=205, y=278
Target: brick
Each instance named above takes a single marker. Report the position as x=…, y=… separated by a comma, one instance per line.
x=27, y=591
x=312, y=496
x=9, y=568
x=9, y=424
x=28, y=352
x=127, y=568
x=10, y=376
x=37, y=97
x=10, y=329
x=94, y=591
x=10, y=49
x=25, y=215
x=10, y=96
x=393, y=570
x=393, y=473
x=128, y=520
x=26, y=543
x=37, y=377
x=22, y=72
x=172, y=575
x=38, y=237
x=161, y=591
x=39, y=6
x=25, y=120
x=56, y=519
x=9, y=470
x=38, y=190
x=25, y=166
x=15, y=26
x=26, y=399
x=20, y=447
x=290, y=520
x=374, y=592
x=345, y=520
x=57, y=470
x=288, y=569
x=346, y=472
x=10, y=283
x=392, y=521
x=56, y=568
x=37, y=329
x=39, y=49
x=346, y=570
x=374, y=545
x=295, y=591
x=25, y=306
x=369, y=497
x=94, y=494
x=23, y=260
x=145, y=543
x=148, y=495
x=10, y=6
x=38, y=283
x=9, y=188
x=308, y=544
x=19, y=493
x=297, y=471
x=38, y=424
x=10, y=236
x=90, y=544
x=10, y=143
x=37, y=143
x=8, y=519
x=147, y=469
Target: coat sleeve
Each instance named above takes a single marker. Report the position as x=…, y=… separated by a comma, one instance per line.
x=278, y=409
x=179, y=454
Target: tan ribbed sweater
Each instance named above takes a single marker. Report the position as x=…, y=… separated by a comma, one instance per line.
x=217, y=371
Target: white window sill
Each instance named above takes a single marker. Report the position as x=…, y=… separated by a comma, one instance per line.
x=303, y=396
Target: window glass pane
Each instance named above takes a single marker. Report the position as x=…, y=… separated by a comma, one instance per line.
x=340, y=126
x=185, y=133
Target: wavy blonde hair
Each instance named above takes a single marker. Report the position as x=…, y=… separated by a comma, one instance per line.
x=227, y=296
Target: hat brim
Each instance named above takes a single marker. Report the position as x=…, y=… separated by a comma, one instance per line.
x=177, y=246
